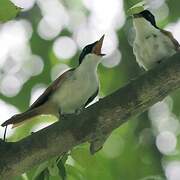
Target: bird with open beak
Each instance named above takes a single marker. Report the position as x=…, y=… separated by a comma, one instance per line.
x=151, y=44
x=70, y=92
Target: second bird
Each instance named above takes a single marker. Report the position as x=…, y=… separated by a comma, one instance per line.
x=70, y=92
x=152, y=44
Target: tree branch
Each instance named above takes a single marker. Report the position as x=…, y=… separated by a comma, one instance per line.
x=94, y=124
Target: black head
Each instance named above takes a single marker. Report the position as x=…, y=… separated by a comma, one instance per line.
x=148, y=16
x=94, y=48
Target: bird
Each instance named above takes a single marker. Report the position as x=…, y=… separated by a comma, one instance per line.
x=71, y=92
x=152, y=44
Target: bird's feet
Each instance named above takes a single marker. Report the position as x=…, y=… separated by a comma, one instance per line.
x=66, y=116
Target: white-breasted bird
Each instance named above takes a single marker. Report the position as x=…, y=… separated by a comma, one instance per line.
x=151, y=44
x=71, y=91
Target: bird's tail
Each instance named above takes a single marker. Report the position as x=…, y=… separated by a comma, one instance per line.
x=18, y=119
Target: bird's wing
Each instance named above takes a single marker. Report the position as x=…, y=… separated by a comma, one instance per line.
x=52, y=88
x=175, y=42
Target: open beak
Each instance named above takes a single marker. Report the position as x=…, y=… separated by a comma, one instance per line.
x=98, y=46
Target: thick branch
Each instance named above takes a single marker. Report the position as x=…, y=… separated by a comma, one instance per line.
x=92, y=124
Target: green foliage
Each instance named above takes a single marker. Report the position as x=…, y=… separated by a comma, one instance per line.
x=137, y=8
x=51, y=169
x=41, y=171
x=61, y=165
x=8, y=10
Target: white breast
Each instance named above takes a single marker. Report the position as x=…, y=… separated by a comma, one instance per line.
x=74, y=92
x=151, y=46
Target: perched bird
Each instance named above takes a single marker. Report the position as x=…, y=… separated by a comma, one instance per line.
x=71, y=91
x=151, y=44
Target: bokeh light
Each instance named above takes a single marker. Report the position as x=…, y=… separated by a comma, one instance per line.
x=113, y=147
x=33, y=66
x=25, y=5
x=172, y=170
x=10, y=86
x=64, y=47
x=49, y=28
x=55, y=18
x=159, y=114
x=17, y=62
x=58, y=70
x=166, y=142
x=102, y=20
x=36, y=92
x=7, y=110
x=155, y=4
x=112, y=60
x=174, y=28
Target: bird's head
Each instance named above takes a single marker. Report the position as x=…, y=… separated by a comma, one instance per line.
x=94, y=48
x=147, y=15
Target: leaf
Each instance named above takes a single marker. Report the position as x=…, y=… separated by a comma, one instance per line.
x=44, y=175
x=53, y=169
x=75, y=173
x=61, y=165
x=42, y=167
x=8, y=10
x=50, y=166
x=62, y=170
x=137, y=8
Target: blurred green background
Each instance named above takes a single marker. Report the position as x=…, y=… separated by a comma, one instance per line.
x=45, y=40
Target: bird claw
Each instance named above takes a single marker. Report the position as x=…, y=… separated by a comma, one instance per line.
x=76, y=112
